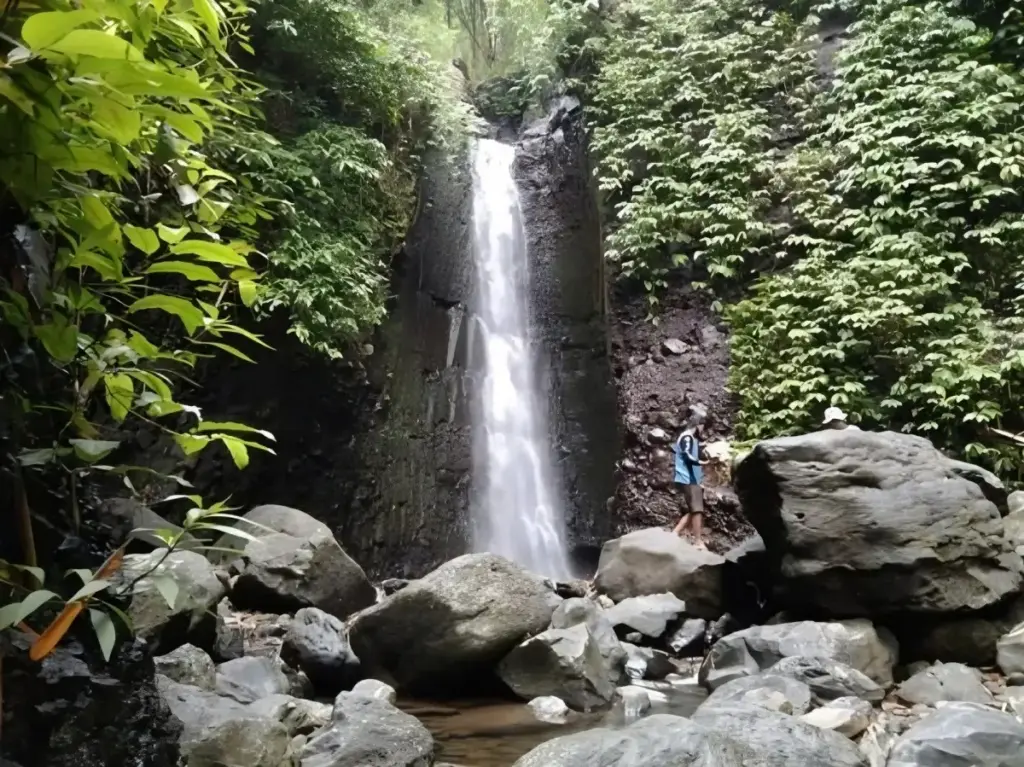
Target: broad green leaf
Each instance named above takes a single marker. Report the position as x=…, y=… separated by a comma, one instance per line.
x=92, y=42
x=172, y=235
x=229, y=349
x=105, y=266
x=248, y=291
x=232, y=426
x=36, y=572
x=210, y=251
x=227, y=530
x=41, y=30
x=143, y=239
x=123, y=123
x=196, y=272
x=15, y=613
x=190, y=443
x=190, y=315
x=168, y=588
x=92, y=450
x=92, y=587
x=237, y=448
x=59, y=338
x=37, y=457
x=119, y=392
x=209, y=11
x=154, y=381
x=106, y=632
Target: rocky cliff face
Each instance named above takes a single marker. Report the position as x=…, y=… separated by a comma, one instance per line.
x=410, y=510
x=568, y=299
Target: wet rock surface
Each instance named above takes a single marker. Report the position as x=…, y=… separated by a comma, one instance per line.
x=194, y=585
x=316, y=644
x=368, y=732
x=567, y=302
x=451, y=628
x=72, y=710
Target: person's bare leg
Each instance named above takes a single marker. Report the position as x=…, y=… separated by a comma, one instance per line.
x=698, y=530
x=682, y=524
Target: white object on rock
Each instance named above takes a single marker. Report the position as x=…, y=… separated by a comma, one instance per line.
x=373, y=688
x=848, y=716
x=549, y=708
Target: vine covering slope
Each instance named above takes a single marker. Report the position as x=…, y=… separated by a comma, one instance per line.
x=877, y=207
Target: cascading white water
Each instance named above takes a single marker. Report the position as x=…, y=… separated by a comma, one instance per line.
x=517, y=504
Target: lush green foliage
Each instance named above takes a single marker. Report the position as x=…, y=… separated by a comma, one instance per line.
x=130, y=249
x=911, y=229
x=883, y=211
x=690, y=103
x=351, y=108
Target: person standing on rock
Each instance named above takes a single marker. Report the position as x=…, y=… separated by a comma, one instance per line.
x=836, y=419
x=689, y=475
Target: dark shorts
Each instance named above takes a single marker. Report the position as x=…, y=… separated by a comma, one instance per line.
x=693, y=498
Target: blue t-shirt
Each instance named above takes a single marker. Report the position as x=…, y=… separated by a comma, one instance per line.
x=687, y=450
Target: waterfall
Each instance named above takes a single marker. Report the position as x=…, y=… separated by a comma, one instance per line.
x=517, y=510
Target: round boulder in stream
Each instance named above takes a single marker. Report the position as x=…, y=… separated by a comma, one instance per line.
x=446, y=632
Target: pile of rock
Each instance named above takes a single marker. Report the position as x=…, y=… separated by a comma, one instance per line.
x=895, y=638
x=868, y=544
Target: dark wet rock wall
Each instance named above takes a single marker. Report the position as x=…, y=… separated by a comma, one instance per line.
x=410, y=509
x=567, y=295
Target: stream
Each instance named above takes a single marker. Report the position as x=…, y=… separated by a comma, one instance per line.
x=495, y=733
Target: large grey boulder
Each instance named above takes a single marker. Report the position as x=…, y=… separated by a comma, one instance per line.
x=650, y=614
x=868, y=523
x=767, y=738
x=945, y=681
x=565, y=663
x=961, y=734
x=173, y=602
x=751, y=690
x=282, y=573
x=369, y=732
x=316, y=644
x=261, y=521
x=450, y=629
x=188, y=665
x=218, y=731
x=687, y=640
x=577, y=610
x=249, y=679
x=829, y=679
x=854, y=643
x=654, y=561
x=661, y=740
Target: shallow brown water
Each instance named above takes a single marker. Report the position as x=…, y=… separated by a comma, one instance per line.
x=496, y=733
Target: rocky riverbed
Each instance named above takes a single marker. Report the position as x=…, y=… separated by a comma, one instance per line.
x=875, y=619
